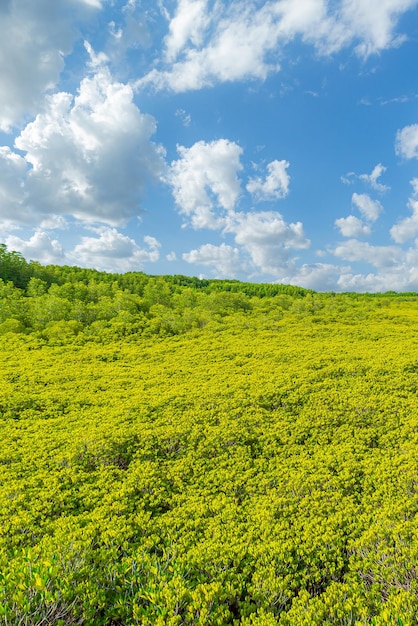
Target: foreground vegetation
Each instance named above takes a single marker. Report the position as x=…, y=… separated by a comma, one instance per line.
x=177, y=452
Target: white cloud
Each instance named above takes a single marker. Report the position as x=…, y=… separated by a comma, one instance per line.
x=188, y=25
x=267, y=238
x=369, y=179
x=274, y=186
x=53, y=222
x=351, y=226
x=96, y=4
x=414, y=183
x=373, y=23
x=406, y=144
x=210, y=42
x=297, y=17
x=89, y=157
x=408, y=227
x=40, y=247
x=360, y=251
x=348, y=179
x=398, y=272
x=370, y=209
x=184, y=117
x=225, y=259
x=400, y=275
x=206, y=188
x=318, y=276
x=364, y=282
x=235, y=46
x=265, y=242
x=12, y=174
x=398, y=278
x=34, y=40
x=96, y=59
x=268, y=227
x=114, y=252
x=205, y=176
x=372, y=179
x=110, y=251
x=129, y=30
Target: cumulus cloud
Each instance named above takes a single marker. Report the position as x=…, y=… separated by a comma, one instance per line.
x=114, y=252
x=109, y=251
x=351, y=226
x=406, y=228
x=406, y=144
x=206, y=186
x=360, y=251
x=265, y=242
x=88, y=156
x=206, y=189
x=267, y=238
x=205, y=177
x=225, y=259
x=317, y=276
x=40, y=247
x=393, y=269
x=363, y=282
x=54, y=222
x=370, y=209
x=210, y=42
x=397, y=278
x=399, y=272
x=12, y=174
x=274, y=186
x=35, y=38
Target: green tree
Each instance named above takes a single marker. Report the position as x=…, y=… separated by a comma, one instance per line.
x=36, y=287
x=13, y=267
x=157, y=291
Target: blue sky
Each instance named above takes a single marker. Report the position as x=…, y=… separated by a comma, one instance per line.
x=265, y=141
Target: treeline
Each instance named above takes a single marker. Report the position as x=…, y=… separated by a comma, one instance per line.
x=14, y=268
x=62, y=303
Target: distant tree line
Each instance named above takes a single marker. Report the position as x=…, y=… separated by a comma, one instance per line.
x=61, y=303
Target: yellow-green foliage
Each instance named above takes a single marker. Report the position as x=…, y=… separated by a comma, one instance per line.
x=259, y=468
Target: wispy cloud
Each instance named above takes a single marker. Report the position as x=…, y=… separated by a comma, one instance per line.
x=214, y=41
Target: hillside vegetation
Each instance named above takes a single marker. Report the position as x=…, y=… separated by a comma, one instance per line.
x=185, y=452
